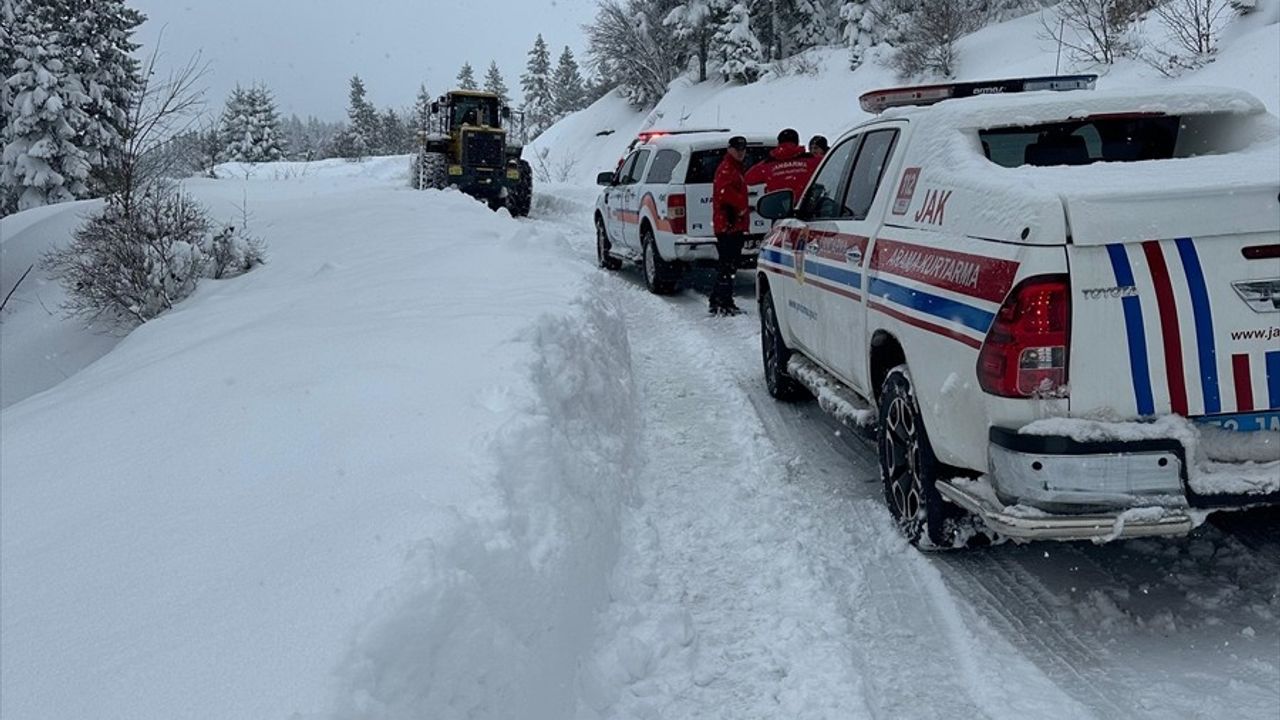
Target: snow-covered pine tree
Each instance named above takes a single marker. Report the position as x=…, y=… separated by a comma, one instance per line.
x=251, y=127
x=41, y=163
x=102, y=57
x=535, y=83
x=362, y=131
x=693, y=24
x=566, y=85
x=269, y=136
x=467, y=77
x=741, y=54
x=395, y=134
x=420, y=121
x=856, y=30
x=494, y=83
x=808, y=24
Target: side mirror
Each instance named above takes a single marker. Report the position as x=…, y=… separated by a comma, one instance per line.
x=435, y=108
x=776, y=205
x=605, y=178
x=506, y=112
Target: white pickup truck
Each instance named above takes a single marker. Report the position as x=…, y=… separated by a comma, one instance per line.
x=1057, y=307
x=655, y=209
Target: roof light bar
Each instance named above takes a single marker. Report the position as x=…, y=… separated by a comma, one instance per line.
x=878, y=101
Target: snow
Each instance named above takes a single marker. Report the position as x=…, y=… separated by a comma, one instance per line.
x=429, y=462
x=297, y=469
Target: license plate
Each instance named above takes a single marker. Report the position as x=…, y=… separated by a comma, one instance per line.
x=1245, y=422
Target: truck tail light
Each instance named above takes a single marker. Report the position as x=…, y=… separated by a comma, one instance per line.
x=1027, y=348
x=675, y=212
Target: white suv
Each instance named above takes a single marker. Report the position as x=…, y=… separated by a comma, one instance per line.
x=655, y=209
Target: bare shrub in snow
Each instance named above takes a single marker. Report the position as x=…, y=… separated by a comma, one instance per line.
x=1193, y=28
x=546, y=171
x=928, y=43
x=1093, y=31
x=133, y=261
x=629, y=44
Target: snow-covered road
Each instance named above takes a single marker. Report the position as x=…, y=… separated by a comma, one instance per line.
x=398, y=487
x=761, y=577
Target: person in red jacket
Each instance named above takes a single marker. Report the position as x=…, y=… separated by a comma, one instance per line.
x=730, y=219
x=788, y=167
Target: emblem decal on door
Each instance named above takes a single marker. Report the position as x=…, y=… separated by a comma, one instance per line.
x=906, y=190
x=1260, y=295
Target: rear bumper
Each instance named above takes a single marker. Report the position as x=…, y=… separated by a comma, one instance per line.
x=702, y=250
x=1048, y=487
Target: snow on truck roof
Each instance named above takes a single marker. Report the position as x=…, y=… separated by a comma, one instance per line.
x=708, y=140
x=1029, y=108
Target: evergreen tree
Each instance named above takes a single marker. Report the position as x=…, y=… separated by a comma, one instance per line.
x=741, y=54
x=693, y=24
x=41, y=162
x=808, y=24
x=395, y=134
x=494, y=83
x=467, y=77
x=566, y=85
x=102, y=58
x=362, y=133
x=535, y=83
x=420, y=122
x=251, y=129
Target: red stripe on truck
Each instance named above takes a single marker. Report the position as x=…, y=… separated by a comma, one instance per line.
x=1244, y=382
x=1169, y=329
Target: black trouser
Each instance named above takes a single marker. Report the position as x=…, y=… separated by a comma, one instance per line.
x=729, y=247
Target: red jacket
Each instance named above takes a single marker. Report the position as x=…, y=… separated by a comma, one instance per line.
x=788, y=168
x=730, y=212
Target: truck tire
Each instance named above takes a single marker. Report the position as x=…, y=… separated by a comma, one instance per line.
x=433, y=171
x=775, y=354
x=660, y=276
x=603, y=258
x=520, y=195
x=910, y=472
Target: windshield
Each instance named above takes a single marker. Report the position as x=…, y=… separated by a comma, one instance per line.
x=475, y=111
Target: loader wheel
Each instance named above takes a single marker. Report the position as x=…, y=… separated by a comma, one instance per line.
x=660, y=276
x=433, y=171
x=910, y=472
x=520, y=195
x=603, y=258
x=775, y=354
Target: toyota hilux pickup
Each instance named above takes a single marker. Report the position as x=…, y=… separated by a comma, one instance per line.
x=1056, y=308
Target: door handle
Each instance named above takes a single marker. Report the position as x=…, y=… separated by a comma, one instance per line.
x=854, y=255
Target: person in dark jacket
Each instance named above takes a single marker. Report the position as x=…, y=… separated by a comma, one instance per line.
x=818, y=146
x=788, y=167
x=730, y=218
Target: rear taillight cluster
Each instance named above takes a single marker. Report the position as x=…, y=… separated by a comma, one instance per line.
x=675, y=213
x=1026, y=350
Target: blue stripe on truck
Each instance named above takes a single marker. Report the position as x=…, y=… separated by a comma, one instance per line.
x=1137, y=335
x=1204, y=325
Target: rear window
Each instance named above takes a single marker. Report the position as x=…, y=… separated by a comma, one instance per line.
x=703, y=163
x=1119, y=138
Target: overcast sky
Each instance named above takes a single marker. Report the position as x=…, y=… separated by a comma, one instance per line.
x=306, y=50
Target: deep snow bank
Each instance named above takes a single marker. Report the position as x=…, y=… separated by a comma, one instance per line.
x=396, y=452
x=825, y=101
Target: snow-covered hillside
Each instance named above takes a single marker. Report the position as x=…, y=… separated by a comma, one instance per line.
x=826, y=102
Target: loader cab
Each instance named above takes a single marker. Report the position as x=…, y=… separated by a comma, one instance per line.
x=475, y=109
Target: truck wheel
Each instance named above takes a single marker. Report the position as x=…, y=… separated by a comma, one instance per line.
x=660, y=276
x=520, y=195
x=433, y=171
x=910, y=471
x=776, y=354
x=603, y=258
